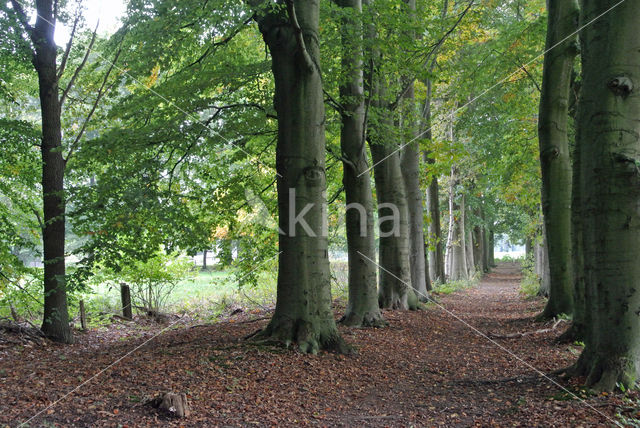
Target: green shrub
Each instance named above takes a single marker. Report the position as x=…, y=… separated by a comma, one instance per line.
x=453, y=286
x=151, y=281
x=530, y=283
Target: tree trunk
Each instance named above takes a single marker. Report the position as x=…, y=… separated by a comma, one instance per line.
x=492, y=245
x=410, y=164
x=303, y=313
x=528, y=248
x=542, y=267
x=204, y=260
x=486, y=267
x=394, y=289
x=468, y=241
x=411, y=174
x=362, y=309
x=55, y=324
x=581, y=316
x=608, y=130
x=436, y=253
x=478, y=248
x=554, y=152
x=456, y=247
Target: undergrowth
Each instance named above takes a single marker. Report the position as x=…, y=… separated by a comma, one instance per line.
x=453, y=286
x=530, y=283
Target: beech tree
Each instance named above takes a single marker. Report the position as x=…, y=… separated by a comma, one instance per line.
x=609, y=148
x=554, y=152
x=394, y=287
x=362, y=308
x=410, y=164
x=51, y=73
x=303, y=313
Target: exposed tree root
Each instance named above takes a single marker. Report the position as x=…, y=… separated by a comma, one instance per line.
x=308, y=337
x=610, y=374
x=372, y=320
x=526, y=333
x=574, y=332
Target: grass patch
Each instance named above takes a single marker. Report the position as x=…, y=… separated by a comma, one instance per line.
x=453, y=286
x=207, y=295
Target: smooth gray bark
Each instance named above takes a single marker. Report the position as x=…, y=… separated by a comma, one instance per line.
x=303, y=313
x=554, y=152
x=362, y=308
x=456, y=243
x=609, y=140
x=410, y=164
x=434, y=237
x=394, y=285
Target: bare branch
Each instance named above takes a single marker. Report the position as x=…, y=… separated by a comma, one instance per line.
x=101, y=93
x=535, y=82
x=67, y=51
x=80, y=67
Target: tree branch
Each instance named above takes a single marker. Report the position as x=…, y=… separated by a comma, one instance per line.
x=80, y=67
x=101, y=93
x=22, y=17
x=37, y=214
x=293, y=19
x=523, y=68
x=435, y=47
x=67, y=51
x=335, y=104
x=224, y=41
x=24, y=20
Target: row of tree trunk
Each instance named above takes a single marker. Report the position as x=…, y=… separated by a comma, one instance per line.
x=591, y=196
x=370, y=118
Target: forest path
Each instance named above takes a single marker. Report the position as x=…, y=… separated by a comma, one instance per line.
x=428, y=368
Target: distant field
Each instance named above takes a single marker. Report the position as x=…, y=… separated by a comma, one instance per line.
x=202, y=293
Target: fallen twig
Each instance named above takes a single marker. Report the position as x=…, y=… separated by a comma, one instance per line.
x=526, y=333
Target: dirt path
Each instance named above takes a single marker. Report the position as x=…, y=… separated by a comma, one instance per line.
x=429, y=368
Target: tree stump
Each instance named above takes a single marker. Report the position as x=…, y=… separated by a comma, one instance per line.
x=173, y=404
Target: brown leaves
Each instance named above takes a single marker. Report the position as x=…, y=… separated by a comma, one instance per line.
x=426, y=369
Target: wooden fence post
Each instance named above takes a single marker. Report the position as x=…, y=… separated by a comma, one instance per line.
x=125, y=295
x=83, y=316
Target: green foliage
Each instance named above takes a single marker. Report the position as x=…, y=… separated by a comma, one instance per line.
x=19, y=208
x=530, y=284
x=185, y=135
x=151, y=280
x=23, y=292
x=454, y=286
